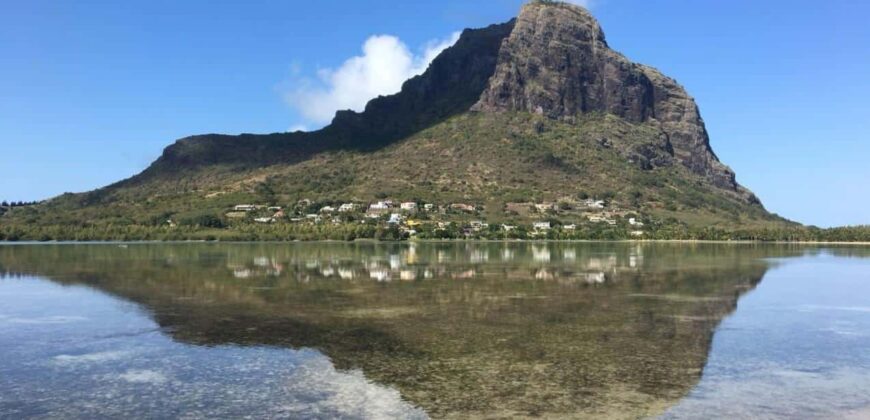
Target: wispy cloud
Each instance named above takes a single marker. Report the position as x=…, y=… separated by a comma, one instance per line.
x=386, y=62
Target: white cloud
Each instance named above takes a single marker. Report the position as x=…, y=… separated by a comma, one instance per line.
x=386, y=62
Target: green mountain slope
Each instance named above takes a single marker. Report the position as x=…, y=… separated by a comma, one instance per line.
x=488, y=160
x=535, y=110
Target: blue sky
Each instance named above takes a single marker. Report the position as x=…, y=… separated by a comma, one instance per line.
x=91, y=91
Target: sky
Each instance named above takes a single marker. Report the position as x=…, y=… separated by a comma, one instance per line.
x=91, y=91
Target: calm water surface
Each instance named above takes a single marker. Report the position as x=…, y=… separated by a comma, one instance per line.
x=434, y=330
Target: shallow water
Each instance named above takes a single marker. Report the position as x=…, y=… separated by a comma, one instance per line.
x=434, y=330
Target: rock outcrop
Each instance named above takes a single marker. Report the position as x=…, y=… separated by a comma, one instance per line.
x=556, y=62
x=450, y=86
x=553, y=60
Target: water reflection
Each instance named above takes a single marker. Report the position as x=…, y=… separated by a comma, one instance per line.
x=113, y=361
x=470, y=329
x=455, y=262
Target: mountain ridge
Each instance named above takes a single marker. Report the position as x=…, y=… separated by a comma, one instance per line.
x=536, y=109
x=642, y=94
x=442, y=91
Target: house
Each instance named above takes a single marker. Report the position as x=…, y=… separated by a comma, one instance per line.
x=313, y=217
x=428, y=207
x=327, y=209
x=542, y=225
x=508, y=228
x=408, y=206
x=380, y=206
x=348, y=207
x=610, y=222
x=413, y=223
x=443, y=225
x=634, y=222
x=264, y=220
x=278, y=214
x=570, y=227
x=274, y=208
x=544, y=207
x=597, y=219
x=246, y=207
x=395, y=219
x=637, y=233
x=594, y=204
x=463, y=207
x=477, y=225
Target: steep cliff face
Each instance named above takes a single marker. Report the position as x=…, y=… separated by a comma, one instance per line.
x=450, y=86
x=552, y=60
x=535, y=109
x=556, y=62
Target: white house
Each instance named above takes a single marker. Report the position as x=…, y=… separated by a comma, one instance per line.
x=395, y=219
x=545, y=207
x=542, y=225
x=597, y=219
x=428, y=207
x=327, y=209
x=508, y=228
x=594, y=204
x=246, y=207
x=264, y=220
x=634, y=222
x=569, y=227
x=347, y=207
x=379, y=206
x=408, y=206
x=477, y=225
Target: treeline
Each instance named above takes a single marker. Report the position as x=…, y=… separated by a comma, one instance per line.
x=281, y=232
x=350, y=232
x=11, y=204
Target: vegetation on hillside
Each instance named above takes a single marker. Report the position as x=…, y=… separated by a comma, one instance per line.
x=486, y=160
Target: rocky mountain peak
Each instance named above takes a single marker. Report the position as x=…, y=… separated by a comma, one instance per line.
x=556, y=62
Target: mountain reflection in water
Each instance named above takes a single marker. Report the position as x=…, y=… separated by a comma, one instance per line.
x=459, y=329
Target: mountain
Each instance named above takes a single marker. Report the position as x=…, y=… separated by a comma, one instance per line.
x=537, y=109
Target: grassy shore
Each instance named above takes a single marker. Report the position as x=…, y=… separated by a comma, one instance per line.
x=346, y=233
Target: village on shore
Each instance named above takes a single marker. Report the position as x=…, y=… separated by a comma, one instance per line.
x=413, y=217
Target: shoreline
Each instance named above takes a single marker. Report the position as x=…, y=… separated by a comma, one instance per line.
x=443, y=241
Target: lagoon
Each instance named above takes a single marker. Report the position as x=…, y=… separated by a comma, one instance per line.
x=441, y=330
